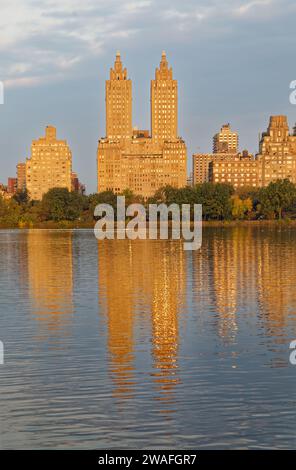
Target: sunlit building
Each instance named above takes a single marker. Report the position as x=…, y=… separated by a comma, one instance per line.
x=21, y=176
x=11, y=185
x=49, y=166
x=277, y=152
x=201, y=165
x=276, y=158
x=240, y=171
x=225, y=141
x=133, y=159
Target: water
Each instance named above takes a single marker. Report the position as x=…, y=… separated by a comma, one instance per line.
x=139, y=344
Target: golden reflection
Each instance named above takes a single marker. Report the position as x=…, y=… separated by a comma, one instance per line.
x=137, y=280
x=116, y=287
x=225, y=276
x=276, y=280
x=242, y=263
x=50, y=276
x=168, y=292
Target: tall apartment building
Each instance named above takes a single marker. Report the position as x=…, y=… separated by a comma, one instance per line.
x=21, y=176
x=164, y=103
x=277, y=152
x=225, y=141
x=49, y=166
x=118, y=103
x=132, y=158
x=225, y=147
x=11, y=185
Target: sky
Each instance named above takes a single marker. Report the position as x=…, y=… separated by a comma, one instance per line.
x=234, y=61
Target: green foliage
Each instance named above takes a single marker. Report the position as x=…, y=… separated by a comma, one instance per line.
x=276, y=198
x=241, y=207
x=216, y=200
x=219, y=202
x=60, y=204
x=21, y=197
x=105, y=197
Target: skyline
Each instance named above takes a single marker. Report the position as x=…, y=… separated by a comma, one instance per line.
x=46, y=83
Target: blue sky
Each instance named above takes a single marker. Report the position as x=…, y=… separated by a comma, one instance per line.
x=234, y=61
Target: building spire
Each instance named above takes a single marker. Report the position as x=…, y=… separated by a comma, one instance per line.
x=118, y=63
x=118, y=72
x=163, y=72
x=163, y=62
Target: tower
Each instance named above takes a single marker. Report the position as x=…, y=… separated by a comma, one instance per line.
x=164, y=103
x=118, y=103
x=225, y=141
x=134, y=160
x=277, y=152
x=49, y=165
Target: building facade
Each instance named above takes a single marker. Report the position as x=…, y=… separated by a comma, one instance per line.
x=225, y=141
x=11, y=185
x=277, y=152
x=241, y=171
x=21, y=176
x=201, y=165
x=276, y=158
x=133, y=159
x=76, y=185
x=49, y=166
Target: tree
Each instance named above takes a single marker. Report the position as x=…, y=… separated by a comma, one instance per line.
x=167, y=195
x=60, y=204
x=240, y=207
x=215, y=199
x=21, y=196
x=276, y=198
x=131, y=197
x=104, y=197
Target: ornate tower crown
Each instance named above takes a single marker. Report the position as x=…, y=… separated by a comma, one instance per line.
x=164, y=72
x=118, y=73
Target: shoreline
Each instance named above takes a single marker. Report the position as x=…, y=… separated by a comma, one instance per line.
x=62, y=225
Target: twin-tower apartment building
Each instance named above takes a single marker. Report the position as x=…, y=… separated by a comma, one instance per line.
x=137, y=159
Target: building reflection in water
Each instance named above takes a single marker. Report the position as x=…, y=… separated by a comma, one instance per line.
x=234, y=273
x=50, y=278
x=138, y=278
x=276, y=282
x=242, y=267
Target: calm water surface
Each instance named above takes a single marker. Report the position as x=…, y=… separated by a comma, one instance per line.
x=139, y=344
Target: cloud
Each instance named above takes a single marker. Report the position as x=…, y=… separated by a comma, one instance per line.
x=40, y=40
x=249, y=7
x=45, y=39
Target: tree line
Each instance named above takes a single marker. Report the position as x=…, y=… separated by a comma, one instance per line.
x=220, y=202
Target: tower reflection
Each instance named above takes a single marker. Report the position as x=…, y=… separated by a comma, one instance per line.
x=141, y=280
x=50, y=277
